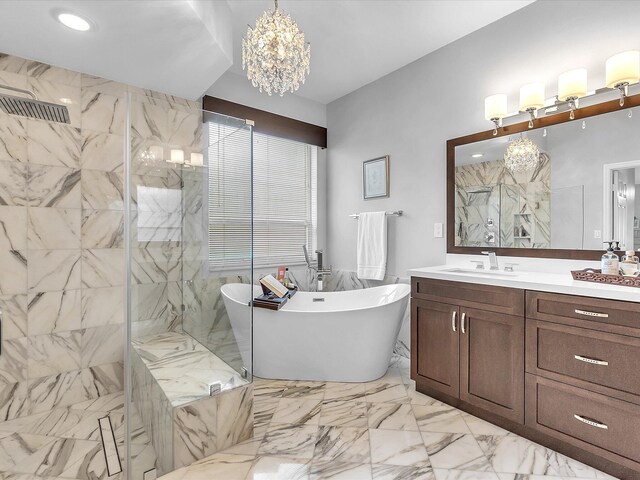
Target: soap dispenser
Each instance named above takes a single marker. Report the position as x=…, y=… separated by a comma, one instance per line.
x=629, y=266
x=610, y=261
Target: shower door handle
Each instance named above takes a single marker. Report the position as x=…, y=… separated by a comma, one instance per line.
x=454, y=314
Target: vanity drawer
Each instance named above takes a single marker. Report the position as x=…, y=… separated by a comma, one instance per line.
x=603, y=359
x=484, y=297
x=612, y=315
x=584, y=418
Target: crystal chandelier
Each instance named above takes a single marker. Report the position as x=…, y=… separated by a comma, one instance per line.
x=522, y=155
x=275, y=54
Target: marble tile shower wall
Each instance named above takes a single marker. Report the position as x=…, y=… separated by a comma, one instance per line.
x=61, y=217
x=161, y=226
x=61, y=242
x=515, y=208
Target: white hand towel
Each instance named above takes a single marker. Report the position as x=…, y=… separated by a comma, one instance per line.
x=372, y=245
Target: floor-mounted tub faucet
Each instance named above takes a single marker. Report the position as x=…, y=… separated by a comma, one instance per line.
x=317, y=272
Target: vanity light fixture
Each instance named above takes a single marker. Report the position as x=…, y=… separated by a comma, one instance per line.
x=495, y=109
x=74, y=21
x=623, y=70
x=477, y=155
x=197, y=159
x=177, y=156
x=572, y=86
x=531, y=99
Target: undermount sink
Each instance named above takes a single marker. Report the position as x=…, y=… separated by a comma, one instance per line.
x=476, y=271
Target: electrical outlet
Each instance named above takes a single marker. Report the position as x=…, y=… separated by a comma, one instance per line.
x=597, y=234
x=438, y=230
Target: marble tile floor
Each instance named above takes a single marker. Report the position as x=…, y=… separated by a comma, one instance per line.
x=65, y=443
x=382, y=430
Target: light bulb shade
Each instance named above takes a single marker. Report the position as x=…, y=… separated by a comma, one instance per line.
x=572, y=84
x=623, y=68
x=197, y=159
x=532, y=96
x=177, y=156
x=495, y=106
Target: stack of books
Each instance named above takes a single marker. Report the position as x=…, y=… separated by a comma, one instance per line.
x=274, y=294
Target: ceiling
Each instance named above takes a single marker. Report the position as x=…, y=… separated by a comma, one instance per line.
x=182, y=47
x=172, y=46
x=354, y=42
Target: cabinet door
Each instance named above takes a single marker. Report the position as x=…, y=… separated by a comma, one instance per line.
x=492, y=362
x=436, y=345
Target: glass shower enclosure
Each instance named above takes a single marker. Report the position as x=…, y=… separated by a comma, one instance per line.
x=188, y=234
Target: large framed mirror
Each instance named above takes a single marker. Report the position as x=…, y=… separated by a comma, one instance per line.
x=557, y=190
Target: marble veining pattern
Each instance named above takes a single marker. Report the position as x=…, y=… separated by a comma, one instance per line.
x=61, y=246
x=171, y=377
x=409, y=437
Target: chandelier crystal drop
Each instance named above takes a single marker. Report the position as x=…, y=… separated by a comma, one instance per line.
x=522, y=155
x=275, y=54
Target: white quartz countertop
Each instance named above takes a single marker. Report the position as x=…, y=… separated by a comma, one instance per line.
x=544, y=282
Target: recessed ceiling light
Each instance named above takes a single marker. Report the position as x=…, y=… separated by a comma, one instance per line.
x=74, y=22
x=477, y=155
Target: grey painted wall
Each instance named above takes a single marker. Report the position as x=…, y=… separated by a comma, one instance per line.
x=410, y=113
x=578, y=158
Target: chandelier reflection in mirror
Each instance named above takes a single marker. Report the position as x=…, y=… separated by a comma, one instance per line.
x=522, y=155
x=275, y=54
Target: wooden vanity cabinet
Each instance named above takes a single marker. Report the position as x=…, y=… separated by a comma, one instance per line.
x=577, y=389
x=438, y=345
x=469, y=344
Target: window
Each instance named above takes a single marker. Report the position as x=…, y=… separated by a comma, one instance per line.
x=285, y=193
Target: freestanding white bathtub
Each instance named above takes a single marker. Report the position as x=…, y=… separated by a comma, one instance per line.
x=327, y=336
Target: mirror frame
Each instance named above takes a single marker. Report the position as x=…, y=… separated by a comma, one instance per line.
x=580, y=114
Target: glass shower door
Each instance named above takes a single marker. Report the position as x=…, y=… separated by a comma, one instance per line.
x=188, y=191
x=217, y=244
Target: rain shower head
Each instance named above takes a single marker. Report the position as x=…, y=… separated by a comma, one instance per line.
x=479, y=190
x=32, y=107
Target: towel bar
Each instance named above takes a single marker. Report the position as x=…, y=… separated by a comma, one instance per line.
x=397, y=213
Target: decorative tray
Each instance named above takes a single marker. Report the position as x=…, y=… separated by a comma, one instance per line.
x=594, y=275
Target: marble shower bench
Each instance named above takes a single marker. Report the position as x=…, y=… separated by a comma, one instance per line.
x=171, y=376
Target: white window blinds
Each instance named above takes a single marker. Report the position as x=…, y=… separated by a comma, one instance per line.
x=285, y=183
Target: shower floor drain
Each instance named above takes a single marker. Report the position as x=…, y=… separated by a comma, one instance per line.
x=109, y=446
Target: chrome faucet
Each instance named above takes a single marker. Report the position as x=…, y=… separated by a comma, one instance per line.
x=316, y=271
x=493, y=260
